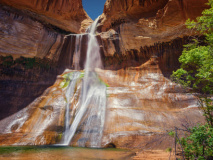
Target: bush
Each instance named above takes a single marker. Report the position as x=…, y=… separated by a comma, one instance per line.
x=196, y=72
x=8, y=61
x=199, y=144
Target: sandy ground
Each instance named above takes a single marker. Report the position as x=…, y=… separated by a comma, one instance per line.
x=154, y=155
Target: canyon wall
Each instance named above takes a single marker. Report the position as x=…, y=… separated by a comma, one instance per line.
x=142, y=107
x=20, y=85
x=127, y=25
x=37, y=28
x=32, y=36
x=68, y=15
x=127, y=28
x=140, y=42
x=22, y=36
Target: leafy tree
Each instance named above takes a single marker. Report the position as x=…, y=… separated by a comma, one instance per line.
x=199, y=143
x=197, y=62
x=8, y=61
x=196, y=72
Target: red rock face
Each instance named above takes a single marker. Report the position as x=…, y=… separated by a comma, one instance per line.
x=121, y=11
x=139, y=47
x=22, y=36
x=34, y=29
x=65, y=14
x=141, y=106
x=134, y=24
x=177, y=12
x=19, y=87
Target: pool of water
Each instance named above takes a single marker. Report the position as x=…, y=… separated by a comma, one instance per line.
x=62, y=153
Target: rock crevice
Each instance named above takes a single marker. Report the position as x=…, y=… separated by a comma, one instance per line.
x=65, y=14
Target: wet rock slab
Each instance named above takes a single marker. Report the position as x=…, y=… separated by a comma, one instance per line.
x=142, y=106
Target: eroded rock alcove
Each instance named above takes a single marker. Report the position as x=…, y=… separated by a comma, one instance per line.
x=140, y=42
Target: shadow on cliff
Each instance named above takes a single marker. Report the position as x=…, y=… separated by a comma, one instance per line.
x=164, y=54
x=131, y=58
x=167, y=54
x=19, y=87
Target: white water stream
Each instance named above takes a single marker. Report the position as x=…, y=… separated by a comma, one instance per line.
x=90, y=114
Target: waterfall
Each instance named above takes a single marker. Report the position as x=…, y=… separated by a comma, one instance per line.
x=90, y=114
x=76, y=57
x=69, y=94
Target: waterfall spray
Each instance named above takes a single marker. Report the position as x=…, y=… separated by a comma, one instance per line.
x=93, y=97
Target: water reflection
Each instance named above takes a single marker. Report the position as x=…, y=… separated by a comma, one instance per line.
x=62, y=153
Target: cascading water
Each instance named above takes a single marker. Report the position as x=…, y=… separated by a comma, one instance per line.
x=76, y=57
x=90, y=114
x=69, y=94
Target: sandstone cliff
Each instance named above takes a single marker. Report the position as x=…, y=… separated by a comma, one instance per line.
x=22, y=81
x=35, y=30
x=133, y=24
x=65, y=14
x=20, y=35
x=140, y=43
x=142, y=105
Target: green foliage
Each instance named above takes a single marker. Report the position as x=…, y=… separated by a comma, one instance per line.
x=7, y=61
x=196, y=68
x=197, y=62
x=207, y=107
x=196, y=72
x=67, y=78
x=169, y=149
x=172, y=133
x=199, y=144
x=59, y=137
x=81, y=75
x=102, y=82
x=197, y=58
x=204, y=24
x=27, y=63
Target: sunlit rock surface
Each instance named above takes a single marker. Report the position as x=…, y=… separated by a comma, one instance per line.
x=65, y=14
x=140, y=46
x=20, y=35
x=128, y=24
x=34, y=29
x=141, y=105
x=37, y=28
